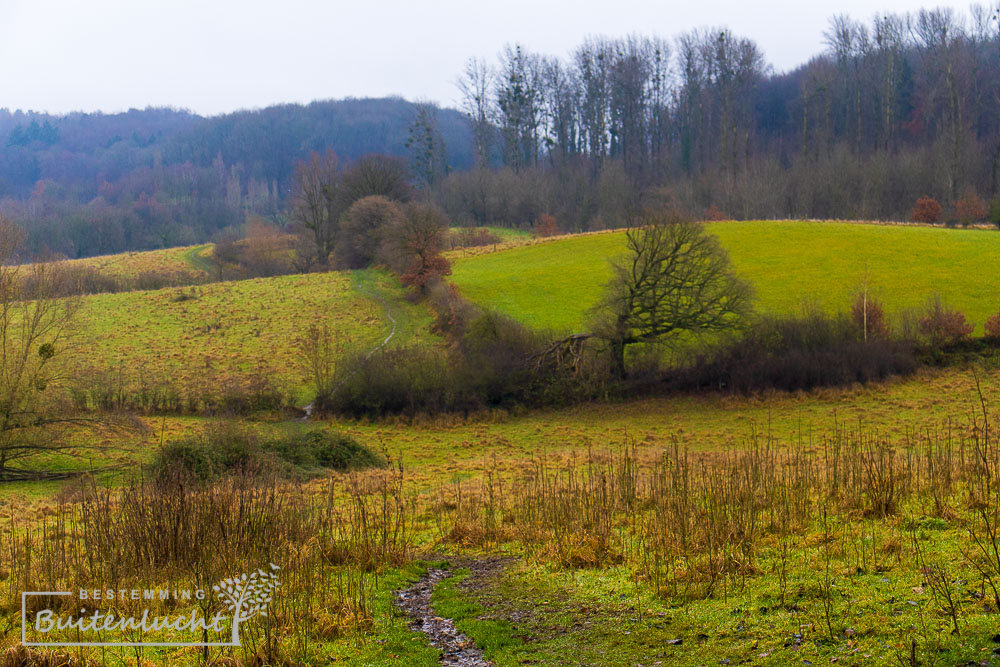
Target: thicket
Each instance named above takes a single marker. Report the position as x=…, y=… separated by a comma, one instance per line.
x=78, y=280
x=229, y=448
x=797, y=352
x=492, y=361
x=113, y=389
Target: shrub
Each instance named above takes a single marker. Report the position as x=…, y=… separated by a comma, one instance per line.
x=993, y=327
x=404, y=380
x=793, y=353
x=423, y=271
x=970, y=208
x=713, y=214
x=942, y=326
x=493, y=362
x=869, y=317
x=995, y=211
x=545, y=225
x=337, y=451
x=362, y=229
x=452, y=312
x=471, y=237
x=228, y=448
x=927, y=210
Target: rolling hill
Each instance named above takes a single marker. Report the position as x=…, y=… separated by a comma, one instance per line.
x=552, y=285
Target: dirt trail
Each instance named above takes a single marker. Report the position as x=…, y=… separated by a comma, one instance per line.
x=456, y=649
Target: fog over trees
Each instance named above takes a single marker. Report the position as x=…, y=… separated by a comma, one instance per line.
x=892, y=109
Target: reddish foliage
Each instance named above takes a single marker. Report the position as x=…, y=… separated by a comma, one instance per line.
x=943, y=326
x=876, y=324
x=970, y=209
x=993, y=327
x=423, y=270
x=713, y=214
x=927, y=209
x=546, y=226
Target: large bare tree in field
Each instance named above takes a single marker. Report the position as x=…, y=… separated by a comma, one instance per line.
x=316, y=206
x=34, y=330
x=675, y=278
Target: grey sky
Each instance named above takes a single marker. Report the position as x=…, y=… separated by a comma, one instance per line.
x=213, y=56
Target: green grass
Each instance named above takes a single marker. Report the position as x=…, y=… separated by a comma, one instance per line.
x=553, y=285
x=184, y=264
x=195, y=257
x=220, y=332
x=506, y=234
x=602, y=616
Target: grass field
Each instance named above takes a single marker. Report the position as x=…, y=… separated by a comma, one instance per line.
x=213, y=333
x=184, y=264
x=552, y=285
x=539, y=612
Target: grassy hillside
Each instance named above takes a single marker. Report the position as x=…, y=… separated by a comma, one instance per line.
x=552, y=285
x=184, y=264
x=223, y=332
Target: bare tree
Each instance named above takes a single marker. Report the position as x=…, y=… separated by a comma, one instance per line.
x=362, y=230
x=676, y=277
x=475, y=85
x=33, y=335
x=316, y=202
x=413, y=245
x=375, y=175
x=427, y=149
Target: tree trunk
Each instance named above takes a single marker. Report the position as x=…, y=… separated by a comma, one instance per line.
x=617, y=349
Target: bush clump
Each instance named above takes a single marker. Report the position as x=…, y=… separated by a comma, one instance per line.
x=229, y=448
x=493, y=362
x=926, y=210
x=942, y=326
x=970, y=208
x=993, y=327
x=793, y=353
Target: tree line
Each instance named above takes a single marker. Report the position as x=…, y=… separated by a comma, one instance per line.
x=903, y=106
x=89, y=184
x=899, y=108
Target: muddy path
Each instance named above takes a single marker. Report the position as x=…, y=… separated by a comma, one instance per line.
x=457, y=649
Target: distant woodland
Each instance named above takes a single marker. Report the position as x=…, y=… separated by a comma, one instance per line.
x=894, y=109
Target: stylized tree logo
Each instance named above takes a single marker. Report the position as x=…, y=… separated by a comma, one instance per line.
x=247, y=596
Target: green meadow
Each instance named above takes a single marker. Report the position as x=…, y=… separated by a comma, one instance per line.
x=220, y=332
x=790, y=263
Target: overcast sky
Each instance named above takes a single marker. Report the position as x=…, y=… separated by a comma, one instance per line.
x=214, y=56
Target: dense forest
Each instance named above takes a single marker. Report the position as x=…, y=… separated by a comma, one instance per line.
x=87, y=184
x=891, y=110
x=903, y=107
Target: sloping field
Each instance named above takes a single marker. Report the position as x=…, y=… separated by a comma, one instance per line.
x=184, y=264
x=552, y=285
x=221, y=332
